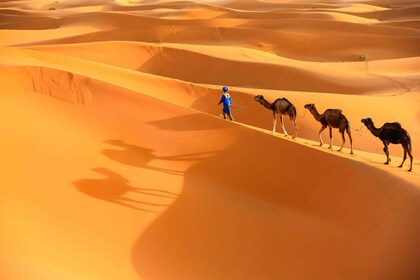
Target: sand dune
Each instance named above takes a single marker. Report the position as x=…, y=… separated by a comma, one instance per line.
x=290, y=41
x=117, y=165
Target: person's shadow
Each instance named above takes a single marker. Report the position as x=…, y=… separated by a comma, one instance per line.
x=116, y=189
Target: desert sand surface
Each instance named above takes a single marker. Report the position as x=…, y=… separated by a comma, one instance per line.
x=115, y=163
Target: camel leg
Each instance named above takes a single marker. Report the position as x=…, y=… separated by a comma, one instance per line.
x=320, y=137
x=407, y=148
x=407, y=151
x=404, y=158
x=331, y=138
x=351, y=139
x=344, y=140
x=274, y=123
x=282, y=125
x=411, y=159
x=386, y=153
x=296, y=129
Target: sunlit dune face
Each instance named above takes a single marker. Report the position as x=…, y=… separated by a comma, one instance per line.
x=117, y=162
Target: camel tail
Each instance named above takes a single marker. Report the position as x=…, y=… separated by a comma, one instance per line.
x=347, y=126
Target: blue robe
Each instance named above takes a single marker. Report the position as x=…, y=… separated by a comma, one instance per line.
x=227, y=101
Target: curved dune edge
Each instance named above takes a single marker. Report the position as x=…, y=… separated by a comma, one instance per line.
x=394, y=76
x=323, y=210
x=202, y=96
x=320, y=49
x=117, y=165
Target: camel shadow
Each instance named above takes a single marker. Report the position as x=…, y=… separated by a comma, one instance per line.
x=116, y=189
x=140, y=157
x=134, y=155
x=215, y=206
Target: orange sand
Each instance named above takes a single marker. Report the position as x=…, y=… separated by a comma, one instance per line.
x=116, y=165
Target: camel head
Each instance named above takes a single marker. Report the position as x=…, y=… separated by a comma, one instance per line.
x=258, y=98
x=367, y=121
x=309, y=106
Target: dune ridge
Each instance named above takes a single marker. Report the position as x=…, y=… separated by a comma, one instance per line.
x=117, y=165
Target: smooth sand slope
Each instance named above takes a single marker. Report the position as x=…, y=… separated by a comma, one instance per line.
x=116, y=165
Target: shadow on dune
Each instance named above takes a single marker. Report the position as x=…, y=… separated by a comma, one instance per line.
x=187, y=66
x=116, y=189
x=271, y=209
x=140, y=157
x=194, y=122
x=134, y=155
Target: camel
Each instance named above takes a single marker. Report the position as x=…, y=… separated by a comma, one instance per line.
x=280, y=107
x=332, y=118
x=391, y=133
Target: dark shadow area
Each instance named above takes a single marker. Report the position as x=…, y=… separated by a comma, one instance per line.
x=134, y=155
x=182, y=65
x=194, y=122
x=265, y=208
x=137, y=156
x=116, y=189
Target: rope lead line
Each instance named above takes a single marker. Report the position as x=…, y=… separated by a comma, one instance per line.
x=243, y=107
x=303, y=115
x=359, y=130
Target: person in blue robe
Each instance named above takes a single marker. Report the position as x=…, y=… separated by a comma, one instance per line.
x=226, y=100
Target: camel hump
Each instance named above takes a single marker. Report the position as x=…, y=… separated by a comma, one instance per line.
x=336, y=111
x=394, y=125
x=282, y=99
x=285, y=99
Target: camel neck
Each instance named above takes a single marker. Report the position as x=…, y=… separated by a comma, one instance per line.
x=373, y=129
x=315, y=113
x=266, y=104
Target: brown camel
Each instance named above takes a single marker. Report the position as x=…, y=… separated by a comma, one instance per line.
x=391, y=133
x=280, y=107
x=332, y=118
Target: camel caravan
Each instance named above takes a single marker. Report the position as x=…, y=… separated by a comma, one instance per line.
x=389, y=133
